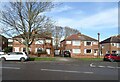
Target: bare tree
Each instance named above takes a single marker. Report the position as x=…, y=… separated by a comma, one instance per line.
x=24, y=18
x=57, y=34
x=69, y=31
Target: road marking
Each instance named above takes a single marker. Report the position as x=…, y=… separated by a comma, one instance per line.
x=66, y=71
x=118, y=67
x=101, y=66
x=91, y=65
x=10, y=67
x=111, y=67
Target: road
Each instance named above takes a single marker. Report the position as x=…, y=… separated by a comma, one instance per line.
x=60, y=70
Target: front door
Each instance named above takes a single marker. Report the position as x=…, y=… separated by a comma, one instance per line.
x=95, y=52
x=48, y=51
x=16, y=49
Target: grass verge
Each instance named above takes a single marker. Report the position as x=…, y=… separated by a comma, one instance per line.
x=42, y=59
x=91, y=59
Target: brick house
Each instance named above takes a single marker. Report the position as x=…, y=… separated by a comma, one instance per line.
x=3, y=43
x=110, y=45
x=80, y=46
x=41, y=43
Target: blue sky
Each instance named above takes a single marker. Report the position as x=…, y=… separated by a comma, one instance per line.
x=88, y=17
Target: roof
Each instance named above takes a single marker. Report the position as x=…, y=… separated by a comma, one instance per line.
x=112, y=39
x=37, y=36
x=80, y=36
x=3, y=36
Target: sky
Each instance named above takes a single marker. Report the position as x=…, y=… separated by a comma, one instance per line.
x=89, y=18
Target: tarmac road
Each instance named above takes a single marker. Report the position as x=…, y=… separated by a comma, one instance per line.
x=60, y=70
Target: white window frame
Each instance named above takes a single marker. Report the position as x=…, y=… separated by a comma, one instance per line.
x=95, y=43
x=75, y=43
x=74, y=51
x=85, y=51
x=48, y=41
x=37, y=49
x=118, y=45
x=85, y=43
x=68, y=42
x=39, y=42
x=113, y=44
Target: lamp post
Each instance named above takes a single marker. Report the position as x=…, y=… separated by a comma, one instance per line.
x=98, y=45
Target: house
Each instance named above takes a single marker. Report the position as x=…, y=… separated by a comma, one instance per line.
x=110, y=45
x=10, y=42
x=41, y=44
x=3, y=43
x=80, y=46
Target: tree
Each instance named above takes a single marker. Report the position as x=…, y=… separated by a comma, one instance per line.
x=57, y=34
x=24, y=18
x=69, y=31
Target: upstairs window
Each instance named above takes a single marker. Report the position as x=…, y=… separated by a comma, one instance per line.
x=48, y=41
x=113, y=44
x=39, y=42
x=118, y=45
x=88, y=43
x=76, y=43
x=68, y=42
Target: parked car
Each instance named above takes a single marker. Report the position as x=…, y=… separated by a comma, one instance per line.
x=1, y=53
x=66, y=54
x=14, y=56
x=112, y=57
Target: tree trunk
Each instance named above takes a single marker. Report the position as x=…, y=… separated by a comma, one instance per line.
x=27, y=50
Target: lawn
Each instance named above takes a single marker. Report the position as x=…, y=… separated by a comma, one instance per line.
x=42, y=59
x=91, y=59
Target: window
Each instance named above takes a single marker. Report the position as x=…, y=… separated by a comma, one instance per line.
x=118, y=45
x=113, y=44
x=38, y=50
x=118, y=52
x=48, y=41
x=88, y=51
x=68, y=42
x=76, y=51
x=76, y=43
x=95, y=50
x=103, y=46
x=113, y=51
x=19, y=53
x=114, y=54
x=39, y=42
x=3, y=42
x=88, y=43
x=107, y=52
x=95, y=43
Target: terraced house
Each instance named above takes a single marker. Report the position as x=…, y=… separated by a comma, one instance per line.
x=41, y=44
x=80, y=46
x=110, y=45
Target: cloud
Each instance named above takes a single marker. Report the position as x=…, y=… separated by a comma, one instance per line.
x=61, y=9
x=103, y=19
